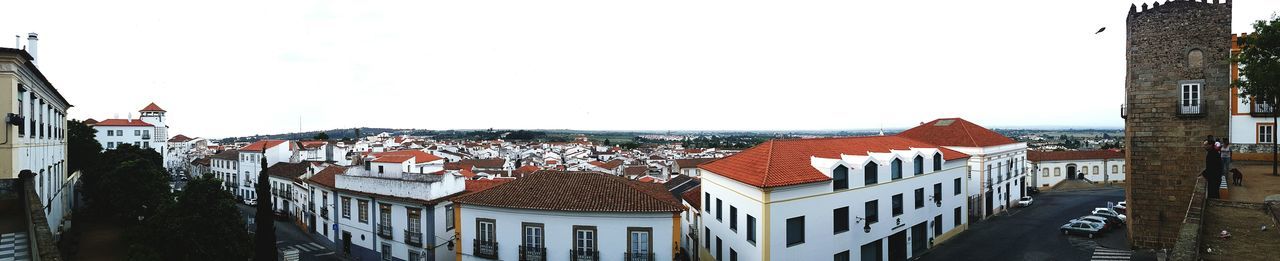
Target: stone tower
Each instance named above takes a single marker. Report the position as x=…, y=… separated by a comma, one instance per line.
x=1176, y=93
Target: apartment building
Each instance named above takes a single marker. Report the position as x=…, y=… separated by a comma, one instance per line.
x=147, y=131
x=33, y=114
x=869, y=198
x=998, y=165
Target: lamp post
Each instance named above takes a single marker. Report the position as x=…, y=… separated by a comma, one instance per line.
x=866, y=226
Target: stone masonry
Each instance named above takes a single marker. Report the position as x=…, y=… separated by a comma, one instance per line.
x=1169, y=44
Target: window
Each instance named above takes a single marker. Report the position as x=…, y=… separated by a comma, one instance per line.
x=937, y=225
x=1266, y=133
x=707, y=239
x=1095, y=170
x=1190, y=99
x=639, y=241
x=1115, y=169
x=719, y=249
x=919, y=198
x=733, y=218
x=751, y=229
x=897, y=205
x=22, y=130
x=386, y=252
x=896, y=169
x=380, y=170
x=364, y=210
x=733, y=255
x=872, y=251
x=146, y=133
x=719, y=208
x=872, y=209
x=840, y=220
x=937, y=192
x=707, y=197
x=1057, y=171
x=346, y=207
x=919, y=165
x=870, y=173
x=448, y=217
x=937, y=161
x=533, y=236
x=956, y=185
x=1045, y=172
x=137, y=132
x=842, y=256
x=795, y=231
x=485, y=230
x=957, y=217
x=840, y=178
x=384, y=214
x=584, y=241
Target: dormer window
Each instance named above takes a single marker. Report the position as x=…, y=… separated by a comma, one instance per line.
x=937, y=161
x=840, y=178
x=896, y=168
x=918, y=163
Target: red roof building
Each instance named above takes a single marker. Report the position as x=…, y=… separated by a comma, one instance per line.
x=123, y=123
x=1038, y=156
x=956, y=132
x=785, y=162
x=152, y=107
x=263, y=145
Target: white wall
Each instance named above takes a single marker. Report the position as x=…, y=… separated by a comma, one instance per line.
x=611, y=231
x=1049, y=173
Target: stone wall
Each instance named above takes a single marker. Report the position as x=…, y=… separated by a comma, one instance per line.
x=1164, y=156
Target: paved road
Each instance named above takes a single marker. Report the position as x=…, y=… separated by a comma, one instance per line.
x=289, y=235
x=1032, y=233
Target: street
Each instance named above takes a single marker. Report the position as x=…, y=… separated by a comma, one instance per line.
x=288, y=235
x=1032, y=233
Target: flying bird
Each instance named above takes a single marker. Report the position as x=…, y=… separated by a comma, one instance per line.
x=1100, y=30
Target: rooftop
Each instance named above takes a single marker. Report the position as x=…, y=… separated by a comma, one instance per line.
x=1073, y=155
x=785, y=162
x=582, y=191
x=956, y=132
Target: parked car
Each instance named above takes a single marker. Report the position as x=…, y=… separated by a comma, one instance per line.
x=1025, y=201
x=183, y=178
x=1080, y=227
x=251, y=202
x=1106, y=224
x=1033, y=190
x=1107, y=212
x=1121, y=207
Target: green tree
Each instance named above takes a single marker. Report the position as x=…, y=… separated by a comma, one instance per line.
x=1259, y=60
x=321, y=136
x=83, y=149
x=265, y=241
x=130, y=183
x=204, y=225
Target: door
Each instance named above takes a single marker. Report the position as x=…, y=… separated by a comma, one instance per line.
x=988, y=206
x=346, y=242
x=898, y=246
x=312, y=219
x=1071, y=172
x=919, y=238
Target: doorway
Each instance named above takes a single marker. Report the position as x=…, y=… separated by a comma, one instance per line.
x=312, y=223
x=988, y=205
x=346, y=242
x=919, y=236
x=898, y=246
x=1071, y=171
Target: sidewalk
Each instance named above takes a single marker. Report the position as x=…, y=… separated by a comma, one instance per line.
x=1258, y=182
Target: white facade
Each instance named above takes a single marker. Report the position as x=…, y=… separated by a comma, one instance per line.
x=997, y=176
x=375, y=212
x=1049, y=173
x=816, y=204
x=36, y=141
x=250, y=166
x=138, y=136
x=611, y=231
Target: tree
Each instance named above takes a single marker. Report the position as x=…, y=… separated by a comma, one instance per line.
x=83, y=149
x=128, y=184
x=203, y=225
x=321, y=136
x=1259, y=60
x=265, y=241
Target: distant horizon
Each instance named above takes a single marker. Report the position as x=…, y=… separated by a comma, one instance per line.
x=678, y=132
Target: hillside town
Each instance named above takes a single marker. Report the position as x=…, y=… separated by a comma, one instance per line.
x=1191, y=176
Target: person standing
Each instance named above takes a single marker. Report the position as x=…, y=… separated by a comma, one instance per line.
x=1212, y=167
x=1225, y=151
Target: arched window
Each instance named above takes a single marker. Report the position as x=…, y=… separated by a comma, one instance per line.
x=840, y=176
x=1095, y=170
x=1115, y=169
x=1044, y=172
x=919, y=165
x=871, y=173
x=897, y=169
x=937, y=161
x=1057, y=171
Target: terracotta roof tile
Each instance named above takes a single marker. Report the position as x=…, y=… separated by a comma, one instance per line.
x=227, y=155
x=403, y=155
x=152, y=107
x=692, y=163
x=287, y=170
x=576, y=191
x=484, y=184
x=180, y=138
x=785, y=162
x=326, y=176
x=956, y=132
x=484, y=163
x=1074, y=155
x=693, y=197
x=123, y=122
x=261, y=145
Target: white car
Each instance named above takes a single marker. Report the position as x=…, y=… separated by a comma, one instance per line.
x=1108, y=212
x=1120, y=207
x=251, y=202
x=1025, y=201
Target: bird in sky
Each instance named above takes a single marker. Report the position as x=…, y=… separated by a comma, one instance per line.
x=1100, y=30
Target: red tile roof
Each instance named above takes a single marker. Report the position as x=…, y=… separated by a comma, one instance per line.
x=785, y=162
x=180, y=138
x=403, y=155
x=609, y=165
x=261, y=145
x=576, y=191
x=123, y=122
x=152, y=107
x=525, y=170
x=313, y=144
x=484, y=184
x=484, y=163
x=326, y=176
x=287, y=170
x=956, y=132
x=89, y=121
x=693, y=197
x=1074, y=155
x=692, y=163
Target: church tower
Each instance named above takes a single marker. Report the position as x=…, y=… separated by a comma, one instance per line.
x=154, y=115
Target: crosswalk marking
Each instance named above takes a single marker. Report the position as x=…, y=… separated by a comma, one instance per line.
x=308, y=247
x=1107, y=254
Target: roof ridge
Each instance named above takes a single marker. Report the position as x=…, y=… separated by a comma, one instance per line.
x=965, y=126
x=768, y=163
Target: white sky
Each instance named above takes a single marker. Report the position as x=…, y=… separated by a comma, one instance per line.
x=256, y=67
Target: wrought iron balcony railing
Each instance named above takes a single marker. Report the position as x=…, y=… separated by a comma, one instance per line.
x=529, y=253
x=485, y=249
x=384, y=231
x=1262, y=110
x=638, y=256
x=584, y=255
x=413, y=238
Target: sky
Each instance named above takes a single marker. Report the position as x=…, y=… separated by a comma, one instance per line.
x=240, y=68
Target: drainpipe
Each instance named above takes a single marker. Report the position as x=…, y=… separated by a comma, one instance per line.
x=374, y=222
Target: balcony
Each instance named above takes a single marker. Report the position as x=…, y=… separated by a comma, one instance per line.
x=384, y=231
x=638, y=256
x=1262, y=110
x=146, y=137
x=584, y=255
x=485, y=249
x=324, y=212
x=529, y=253
x=1191, y=108
x=413, y=238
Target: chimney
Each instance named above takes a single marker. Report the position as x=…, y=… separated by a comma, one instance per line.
x=31, y=46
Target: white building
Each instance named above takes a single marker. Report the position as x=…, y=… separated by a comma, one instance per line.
x=1097, y=166
x=998, y=164
x=225, y=166
x=385, y=217
x=275, y=151
x=180, y=150
x=557, y=215
x=875, y=198
x=148, y=131
x=33, y=116
x=1252, y=128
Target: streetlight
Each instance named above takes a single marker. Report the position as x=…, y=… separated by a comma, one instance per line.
x=866, y=226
